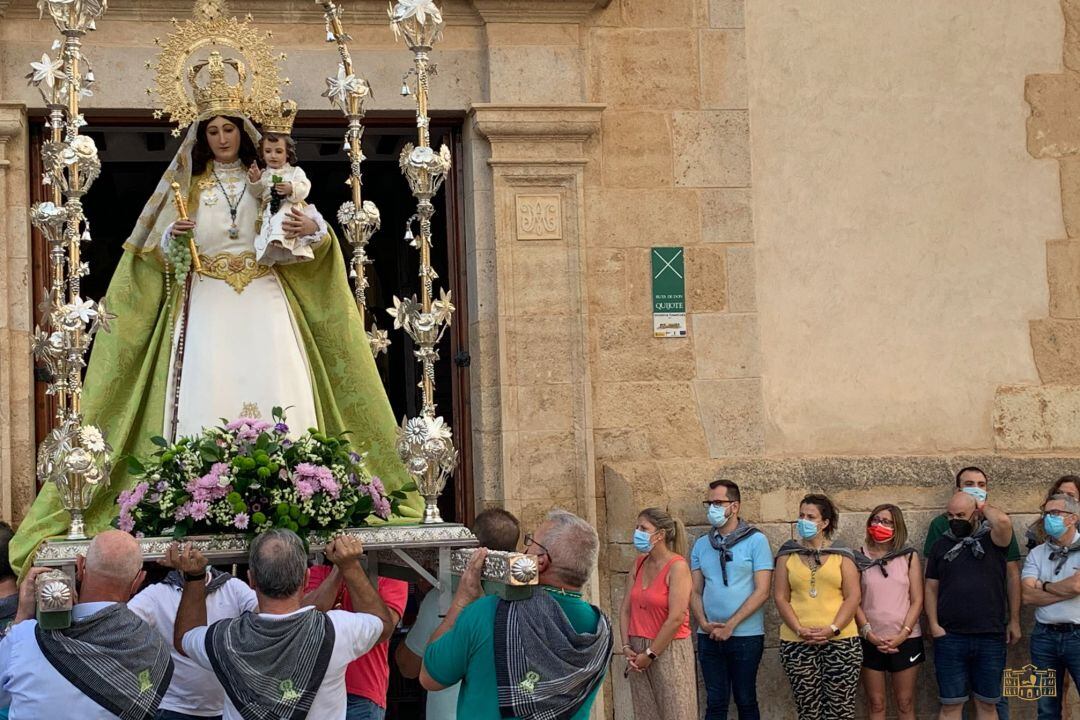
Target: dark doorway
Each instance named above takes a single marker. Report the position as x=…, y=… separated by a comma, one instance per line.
x=134, y=154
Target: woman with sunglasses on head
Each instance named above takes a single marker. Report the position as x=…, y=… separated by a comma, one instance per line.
x=888, y=616
x=655, y=621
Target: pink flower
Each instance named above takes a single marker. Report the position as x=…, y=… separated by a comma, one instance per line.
x=198, y=509
x=382, y=507
x=305, y=488
x=377, y=485
x=127, y=523
x=131, y=498
x=240, y=521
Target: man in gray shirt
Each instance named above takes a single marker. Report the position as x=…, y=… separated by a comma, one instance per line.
x=1051, y=582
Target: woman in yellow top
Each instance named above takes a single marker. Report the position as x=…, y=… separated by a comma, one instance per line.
x=817, y=592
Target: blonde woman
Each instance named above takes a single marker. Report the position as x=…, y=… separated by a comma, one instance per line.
x=655, y=617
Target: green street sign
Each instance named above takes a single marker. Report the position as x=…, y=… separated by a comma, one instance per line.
x=669, y=292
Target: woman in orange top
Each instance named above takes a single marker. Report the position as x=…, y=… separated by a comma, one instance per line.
x=655, y=623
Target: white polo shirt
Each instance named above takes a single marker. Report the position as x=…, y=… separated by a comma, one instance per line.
x=32, y=686
x=354, y=635
x=1039, y=566
x=193, y=691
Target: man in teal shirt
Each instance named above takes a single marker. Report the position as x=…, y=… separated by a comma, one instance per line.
x=464, y=647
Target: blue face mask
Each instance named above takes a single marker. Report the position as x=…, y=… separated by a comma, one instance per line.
x=976, y=492
x=717, y=515
x=1054, y=525
x=642, y=541
x=806, y=528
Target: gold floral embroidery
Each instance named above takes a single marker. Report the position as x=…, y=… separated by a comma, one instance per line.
x=237, y=270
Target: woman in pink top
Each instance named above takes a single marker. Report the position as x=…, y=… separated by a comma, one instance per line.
x=655, y=622
x=888, y=616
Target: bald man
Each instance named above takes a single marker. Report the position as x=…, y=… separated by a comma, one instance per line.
x=109, y=663
x=967, y=605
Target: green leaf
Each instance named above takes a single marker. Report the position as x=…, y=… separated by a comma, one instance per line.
x=408, y=487
x=134, y=467
x=160, y=441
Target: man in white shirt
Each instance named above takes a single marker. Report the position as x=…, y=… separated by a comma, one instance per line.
x=495, y=529
x=194, y=693
x=287, y=660
x=1051, y=582
x=108, y=664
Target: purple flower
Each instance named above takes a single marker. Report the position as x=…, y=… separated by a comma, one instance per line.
x=198, y=509
x=281, y=428
x=305, y=488
x=382, y=508
x=182, y=512
x=131, y=498
x=162, y=486
x=240, y=521
x=127, y=523
x=355, y=457
x=377, y=485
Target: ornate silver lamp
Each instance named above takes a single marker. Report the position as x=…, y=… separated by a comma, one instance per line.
x=425, y=443
x=74, y=456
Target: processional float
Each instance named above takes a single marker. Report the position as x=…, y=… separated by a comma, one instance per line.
x=76, y=457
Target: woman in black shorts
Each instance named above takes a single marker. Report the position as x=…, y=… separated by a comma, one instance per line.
x=888, y=616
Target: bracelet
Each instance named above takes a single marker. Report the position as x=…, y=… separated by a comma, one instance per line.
x=1044, y=583
x=906, y=629
x=865, y=630
x=194, y=577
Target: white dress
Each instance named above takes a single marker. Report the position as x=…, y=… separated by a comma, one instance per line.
x=242, y=350
x=271, y=245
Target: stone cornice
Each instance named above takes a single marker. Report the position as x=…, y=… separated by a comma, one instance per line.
x=537, y=123
x=537, y=11
x=12, y=121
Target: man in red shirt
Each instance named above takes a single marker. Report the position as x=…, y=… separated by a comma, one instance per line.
x=367, y=678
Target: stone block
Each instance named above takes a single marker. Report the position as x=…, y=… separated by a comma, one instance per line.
x=632, y=67
x=542, y=281
x=644, y=404
x=727, y=345
x=723, y=70
x=637, y=149
x=606, y=281
x=486, y=357
x=1063, y=273
x=726, y=13
x=541, y=350
x=545, y=466
x=1038, y=419
x=639, y=281
x=19, y=295
x=706, y=278
x=727, y=215
x=1069, y=171
x=535, y=74
x=643, y=218
x=711, y=148
x=657, y=13
x=1054, y=101
x=546, y=407
x=731, y=413
x=629, y=487
x=1055, y=345
x=503, y=34
x=741, y=279
x=621, y=444
x=627, y=350
x=481, y=267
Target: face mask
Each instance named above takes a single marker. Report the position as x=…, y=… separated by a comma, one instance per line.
x=880, y=533
x=806, y=528
x=976, y=492
x=1054, y=525
x=642, y=541
x=717, y=515
x=960, y=527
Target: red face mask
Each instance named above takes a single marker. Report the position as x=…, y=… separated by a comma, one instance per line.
x=880, y=533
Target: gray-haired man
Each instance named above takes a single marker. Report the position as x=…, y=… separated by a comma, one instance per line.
x=287, y=660
x=1051, y=582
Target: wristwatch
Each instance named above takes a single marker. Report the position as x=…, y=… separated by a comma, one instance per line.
x=835, y=630
x=650, y=653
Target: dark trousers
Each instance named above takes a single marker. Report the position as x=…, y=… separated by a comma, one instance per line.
x=1052, y=649
x=730, y=668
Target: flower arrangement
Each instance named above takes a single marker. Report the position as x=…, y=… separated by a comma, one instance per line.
x=249, y=476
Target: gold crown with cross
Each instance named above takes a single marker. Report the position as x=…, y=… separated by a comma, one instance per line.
x=279, y=117
x=192, y=74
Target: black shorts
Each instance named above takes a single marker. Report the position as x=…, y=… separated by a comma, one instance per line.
x=911, y=654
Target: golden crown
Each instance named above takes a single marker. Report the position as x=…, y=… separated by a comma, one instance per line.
x=279, y=117
x=212, y=28
x=217, y=97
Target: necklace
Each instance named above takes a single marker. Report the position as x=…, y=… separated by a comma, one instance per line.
x=234, y=232
x=813, y=581
x=560, y=591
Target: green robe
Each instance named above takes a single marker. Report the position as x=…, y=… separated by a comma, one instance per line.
x=124, y=392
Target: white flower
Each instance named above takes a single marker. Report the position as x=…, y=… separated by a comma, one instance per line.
x=437, y=428
x=420, y=9
x=421, y=155
x=92, y=439
x=47, y=71
x=81, y=309
x=84, y=147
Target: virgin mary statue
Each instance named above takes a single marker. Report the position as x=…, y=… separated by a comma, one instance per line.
x=256, y=336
